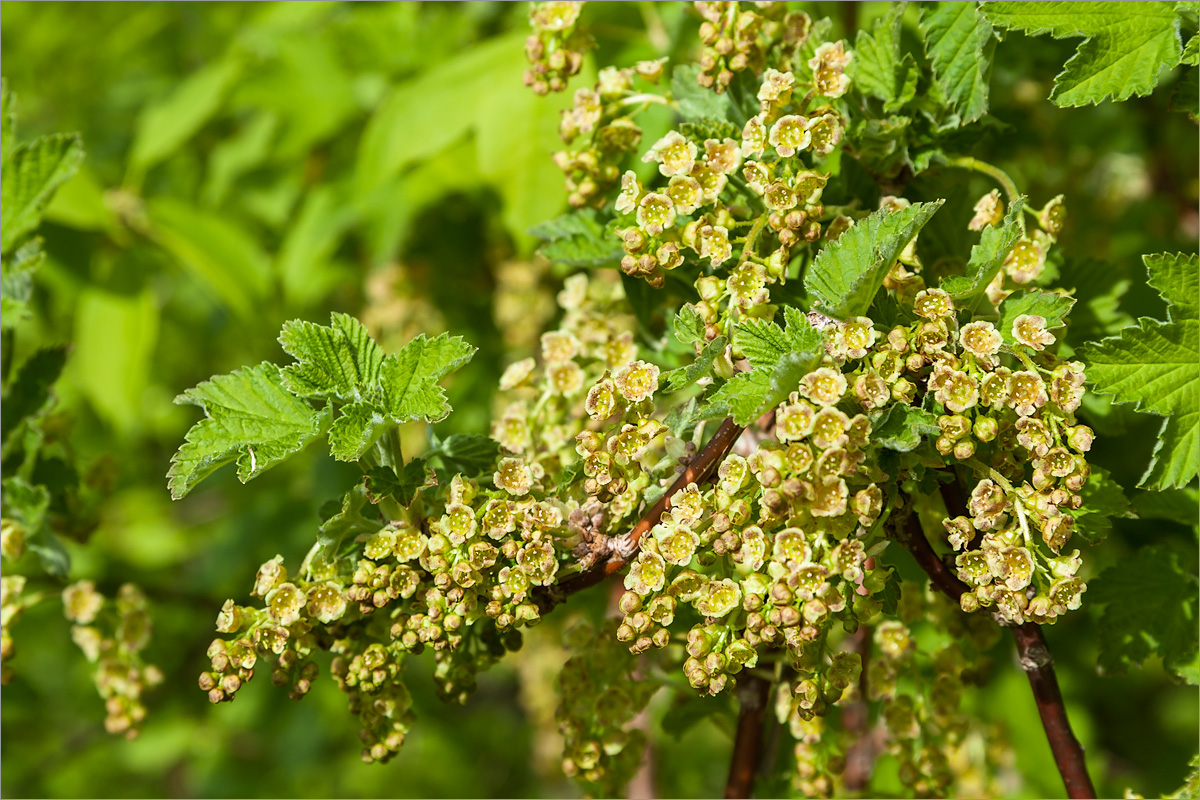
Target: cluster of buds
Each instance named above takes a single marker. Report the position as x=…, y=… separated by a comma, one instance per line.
x=112, y=635
x=555, y=50
x=598, y=699
x=599, y=119
x=1027, y=260
x=737, y=38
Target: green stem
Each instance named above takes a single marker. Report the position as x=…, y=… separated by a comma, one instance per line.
x=752, y=239
x=995, y=173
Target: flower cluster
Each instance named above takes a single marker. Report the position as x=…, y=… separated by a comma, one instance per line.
x=555, y=50
x=112, y=635
x=738, y=37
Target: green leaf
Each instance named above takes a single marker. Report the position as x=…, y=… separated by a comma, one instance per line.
x=740, y=397
x=240, y=153
x=1054, y=307
x=901, y=427
x=761, y=341
x=683, y=377
x=304, y=263
x=1186, y=98
x=409, y=378
x=165, y=126
x=696, y=102
x=879, y=69
x=415, y=476
x=339, y=360
x=1126, y=47
x=16, y=281
x=1103, y=501
x=31, y=174
x=1177, y=278
x=959, y=43
x=249, y=416
x=688, y=709
x=470, y=454
x=688, y=326
x=1155, y=367
x=1177, y=505
x=987, y=257
x=577, y=239
x=356, y=428
x=1151, y=605
x=30, y=390
x=846, y=275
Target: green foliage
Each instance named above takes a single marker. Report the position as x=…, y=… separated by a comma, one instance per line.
x=845, y=277
x=1051, y=306
x=987, y=259
x=1150, y=608
x=577, y=240
x=1125, y=49
x=880, y=69
x=1154, y=366
x=959, y=43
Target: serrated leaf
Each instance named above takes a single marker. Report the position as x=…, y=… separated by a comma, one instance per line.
x=1103, y=501
x=16, y=281
x=696, y=102
x=31, y=388
x=414, y=476
x=701, y=367
x=740, y=397
x=987, y=257
x=409, y=378
x=1126, y=47
x=1176, y=277
x=709, y=128
x=1054, y=307
x=900, y=427
x=679, y=421
x=577, y=239
x=1177, y=505
x=959, y=43
x=1155, y=367
x=338, y=361
x=249, y=416
x=845, y=276
x=688, y=327
x=879, y=69
x=761, y=341
x=356, y=428
x=1187, y=94
x=469, y=454
x=1151, y=609
x=31, y=174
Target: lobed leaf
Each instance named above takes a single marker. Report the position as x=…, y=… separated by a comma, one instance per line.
x=408, y=379
x=845, y=276
x=577, y=239
x=1126, y=46
x=1177, y=278
x=339, y=361
x=250, y=417
x=470, y=454
x=879, y=69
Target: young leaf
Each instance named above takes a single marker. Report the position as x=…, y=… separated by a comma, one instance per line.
x=845, y=276
x=1151, y=609
x=409, y=378
x=879, y=69
x=1154, y=366
x=761, y=341
x=356, y=428
x=249, y=416
x=740, y=397
x=987, y=257
x=959, y=43
x=347, y=519
x=1050, y=305
x=900, y=427
x=577, y=239
x=688, y=327
x=30, y=175
x=683, y=377
x=1125, y=49
x=340, y=360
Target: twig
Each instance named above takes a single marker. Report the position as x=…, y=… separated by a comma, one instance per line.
x=753, y=693
x=1034, y=656
x=860, y=758
x=627, y=547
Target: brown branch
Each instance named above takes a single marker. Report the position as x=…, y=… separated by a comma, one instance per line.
x=626, y=548
x=1034, y=656
x=753, y=692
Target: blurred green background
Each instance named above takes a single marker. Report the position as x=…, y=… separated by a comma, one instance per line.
x=253, y=163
